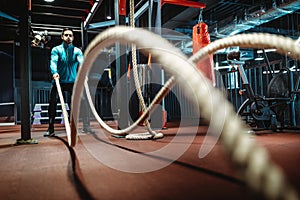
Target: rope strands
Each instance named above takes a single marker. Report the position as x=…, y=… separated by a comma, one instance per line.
x=151, y=134
x=64, y=110
x=260, y=172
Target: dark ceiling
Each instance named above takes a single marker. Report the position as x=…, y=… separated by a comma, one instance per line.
x=224, y=17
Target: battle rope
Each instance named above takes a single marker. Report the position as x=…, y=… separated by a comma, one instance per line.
x=64, y=110
x=123, y=132
x=151, y=134
x=261, y=174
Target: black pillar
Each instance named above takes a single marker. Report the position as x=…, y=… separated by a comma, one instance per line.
x=25, y=69
x=84, y=37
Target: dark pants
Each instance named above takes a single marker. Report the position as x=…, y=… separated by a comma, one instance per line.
x=67, y=89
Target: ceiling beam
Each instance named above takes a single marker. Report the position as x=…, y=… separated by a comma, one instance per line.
x=91, y=14
x=58, y=7
x=255, y=19
x=57, y=15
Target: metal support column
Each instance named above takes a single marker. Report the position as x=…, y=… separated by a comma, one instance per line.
x=25, y=62
x=121, y=68
x=158, y=117
x=84, y=37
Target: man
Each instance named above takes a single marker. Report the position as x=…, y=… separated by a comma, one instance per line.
x=64, y=63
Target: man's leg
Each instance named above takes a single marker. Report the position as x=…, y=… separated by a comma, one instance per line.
x=52, y=111
x=84, y=109
x=68, y=87
x=85, y=114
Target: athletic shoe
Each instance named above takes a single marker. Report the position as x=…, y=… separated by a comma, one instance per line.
x=50, y=132
x=87, y=129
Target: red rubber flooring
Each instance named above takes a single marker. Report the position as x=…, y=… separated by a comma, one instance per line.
x=104, y=167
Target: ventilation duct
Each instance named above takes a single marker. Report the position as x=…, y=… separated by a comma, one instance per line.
x=254, y=19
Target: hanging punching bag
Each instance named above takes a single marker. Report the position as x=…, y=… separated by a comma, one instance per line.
x=201, y=38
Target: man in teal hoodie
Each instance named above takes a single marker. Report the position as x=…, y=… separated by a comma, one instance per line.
x=64, y=63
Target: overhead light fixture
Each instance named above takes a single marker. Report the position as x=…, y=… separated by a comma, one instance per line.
x=49, y=0
x=109, y=11
x=266, y=50
x=259, y=58
x=91, y=13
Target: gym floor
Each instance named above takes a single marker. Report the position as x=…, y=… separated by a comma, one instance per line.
x=52, y=170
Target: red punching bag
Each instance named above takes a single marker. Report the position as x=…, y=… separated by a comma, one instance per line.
x=201, y=38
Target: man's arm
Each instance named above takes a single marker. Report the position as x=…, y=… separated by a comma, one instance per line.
x=79, y=56
x=53, y=62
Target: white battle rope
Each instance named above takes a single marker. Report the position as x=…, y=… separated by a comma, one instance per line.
x=260, y=172
x=64, y=110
